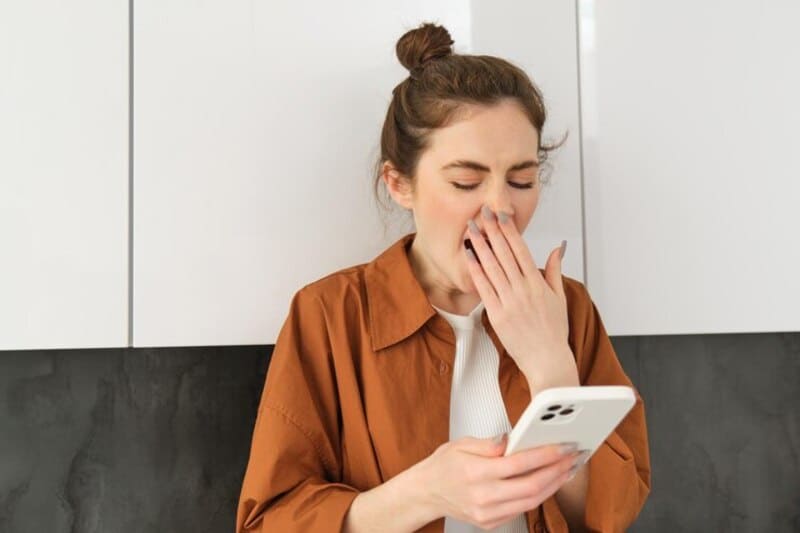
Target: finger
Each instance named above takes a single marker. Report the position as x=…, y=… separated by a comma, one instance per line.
x=534, y=482
x=530, y=501
x=482, y=283
x=553, y=270
x=521, y=251
x=501, y=248
x=494, y=272
x=527, y=460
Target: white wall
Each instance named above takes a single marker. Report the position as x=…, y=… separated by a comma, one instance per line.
x=63, y=174
x=690, y=120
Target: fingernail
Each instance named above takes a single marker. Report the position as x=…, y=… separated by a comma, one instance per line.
x=572, y=471
x=502, y=217
x=568, y=448
x=582, y=457
x=487, y=213
x=473, y=227
x=563, y=248
x=499, y=439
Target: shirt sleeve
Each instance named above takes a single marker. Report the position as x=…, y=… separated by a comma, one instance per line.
x=293, y=476
x=619, y=471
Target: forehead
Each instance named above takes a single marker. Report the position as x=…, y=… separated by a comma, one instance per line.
x=492, y=135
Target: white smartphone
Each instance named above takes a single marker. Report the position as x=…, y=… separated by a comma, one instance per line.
x=585, y=415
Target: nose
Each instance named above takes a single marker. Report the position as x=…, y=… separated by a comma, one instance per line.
x=498, y=198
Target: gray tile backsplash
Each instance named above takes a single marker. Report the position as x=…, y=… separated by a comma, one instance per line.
x=156, y=440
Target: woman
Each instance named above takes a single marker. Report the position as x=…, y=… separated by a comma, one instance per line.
x=390, y=378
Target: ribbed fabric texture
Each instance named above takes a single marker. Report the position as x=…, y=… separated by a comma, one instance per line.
x=476, y=405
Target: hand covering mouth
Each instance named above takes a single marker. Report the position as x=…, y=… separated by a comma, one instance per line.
x=468, y=244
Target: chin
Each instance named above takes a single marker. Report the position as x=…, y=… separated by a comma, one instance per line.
x=467, y=286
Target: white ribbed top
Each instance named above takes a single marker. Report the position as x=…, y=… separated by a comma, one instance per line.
x=476, y=405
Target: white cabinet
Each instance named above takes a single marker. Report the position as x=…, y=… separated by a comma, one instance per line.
x=549, y=56
x=63, y=174
x=690, y=114
x=255, y=132
x=255, y=128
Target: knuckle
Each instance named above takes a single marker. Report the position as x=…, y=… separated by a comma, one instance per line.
x=504, y=467
x=486, y=525
x=519, y=463
x=554, y=454
x=535, y=486
x=479, y=498
x=471, y=475
x=481, y=518
x=532, y=502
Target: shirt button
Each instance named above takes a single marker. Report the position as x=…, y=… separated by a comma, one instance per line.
x=442, y=367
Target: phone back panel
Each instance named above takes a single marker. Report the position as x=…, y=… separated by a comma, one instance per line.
x=586, y=415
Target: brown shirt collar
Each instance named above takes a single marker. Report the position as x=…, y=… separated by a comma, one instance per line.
x=398, y=305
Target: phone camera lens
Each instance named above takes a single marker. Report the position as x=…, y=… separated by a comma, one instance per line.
x=548, y=416
x=566, y=411
x=554, y=408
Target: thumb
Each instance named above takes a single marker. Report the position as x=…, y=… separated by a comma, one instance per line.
x=552, y=271
x=491, y=447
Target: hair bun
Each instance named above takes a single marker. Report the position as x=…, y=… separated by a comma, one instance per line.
x=428, y=41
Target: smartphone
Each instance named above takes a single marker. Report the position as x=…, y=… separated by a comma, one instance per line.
x=585, y=415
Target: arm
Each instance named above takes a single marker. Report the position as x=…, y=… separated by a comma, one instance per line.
x=571, y=497
x=286, y=486
x=293, y=476
x=617, y=477
x=399, y=505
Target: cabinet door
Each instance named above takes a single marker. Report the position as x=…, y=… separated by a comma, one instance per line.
x=256, y=125
x=256, y=129
x=690, y=120
x=63, y=174
x=541, y=38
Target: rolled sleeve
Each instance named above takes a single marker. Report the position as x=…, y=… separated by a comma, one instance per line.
x=286, y=487
x=293, y=476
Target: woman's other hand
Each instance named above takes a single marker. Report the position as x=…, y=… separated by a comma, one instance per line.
x=470, y=480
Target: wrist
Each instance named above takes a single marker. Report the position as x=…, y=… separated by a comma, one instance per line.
x=403, y=503
x=563, y=376
x=417, y=487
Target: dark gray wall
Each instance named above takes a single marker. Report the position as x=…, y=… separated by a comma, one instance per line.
x=156, y=440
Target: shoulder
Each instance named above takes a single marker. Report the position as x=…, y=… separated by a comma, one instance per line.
x=338, y=286
x=575, y=290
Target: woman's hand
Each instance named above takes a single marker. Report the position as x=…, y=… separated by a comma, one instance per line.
x=470, y=480
x=528, y=311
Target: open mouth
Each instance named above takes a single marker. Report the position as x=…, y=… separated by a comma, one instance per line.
x=468, y=244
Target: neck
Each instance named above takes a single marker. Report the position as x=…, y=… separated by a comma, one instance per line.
x=441, y=292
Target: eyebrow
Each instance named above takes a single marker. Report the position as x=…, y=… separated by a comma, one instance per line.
x=483, y=168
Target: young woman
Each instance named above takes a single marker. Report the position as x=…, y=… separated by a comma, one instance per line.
x=390, y=379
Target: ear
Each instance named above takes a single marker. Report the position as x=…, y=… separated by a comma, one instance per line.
x=398, y=185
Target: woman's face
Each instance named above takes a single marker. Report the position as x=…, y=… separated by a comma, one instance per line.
x=503, y=141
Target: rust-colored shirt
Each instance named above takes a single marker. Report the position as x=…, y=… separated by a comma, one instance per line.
x=358, y=390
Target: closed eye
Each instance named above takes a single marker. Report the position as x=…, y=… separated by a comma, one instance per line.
x=471, y=187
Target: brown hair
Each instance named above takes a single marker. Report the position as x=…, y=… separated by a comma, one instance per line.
x=439, y=84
